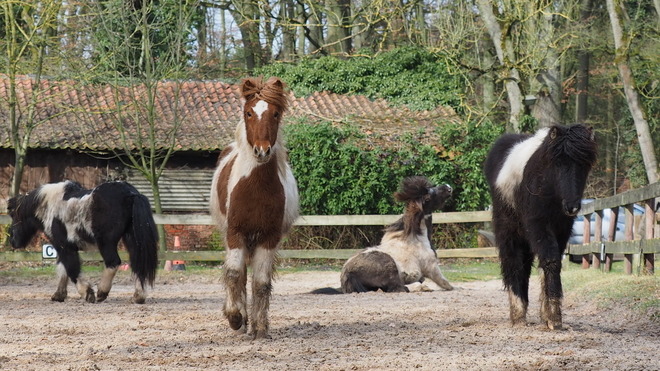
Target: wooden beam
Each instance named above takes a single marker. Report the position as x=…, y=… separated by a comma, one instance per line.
x=321, y=220
x=629, y=197
x=482, y=252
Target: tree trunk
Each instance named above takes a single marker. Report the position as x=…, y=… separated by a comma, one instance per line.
x=547, y=109
x=287, y=16
x=315, y=36
x=338, y=13
x=511, y=82
x=581, y=111
x=632, y=97
x=246, y=15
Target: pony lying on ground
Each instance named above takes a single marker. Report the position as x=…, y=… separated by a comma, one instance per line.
x=74, y=218
x=536, y=183
x=405, y=255
x=254, y=200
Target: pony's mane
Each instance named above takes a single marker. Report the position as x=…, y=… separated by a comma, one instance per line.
x=575, y=142
x=412, y=191
x=272, y=91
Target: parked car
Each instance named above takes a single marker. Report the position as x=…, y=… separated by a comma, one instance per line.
x=578, y=225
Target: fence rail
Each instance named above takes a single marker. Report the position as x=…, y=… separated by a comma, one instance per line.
x=306, y=220
x=637, y=253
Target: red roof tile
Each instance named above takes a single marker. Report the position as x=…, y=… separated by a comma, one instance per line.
x=83, y=117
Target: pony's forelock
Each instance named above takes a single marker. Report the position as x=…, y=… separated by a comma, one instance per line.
x=413, y=188
x=273, y=91
x=575, y=142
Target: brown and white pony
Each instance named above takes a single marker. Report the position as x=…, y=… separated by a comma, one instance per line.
x=405, y=256
x=254, y=200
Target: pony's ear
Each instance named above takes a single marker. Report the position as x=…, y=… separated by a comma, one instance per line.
x=275, y=82
x=250, y=87
x=553, y=133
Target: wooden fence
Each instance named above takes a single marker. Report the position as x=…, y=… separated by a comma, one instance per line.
x=308, y=220
x=638, y=254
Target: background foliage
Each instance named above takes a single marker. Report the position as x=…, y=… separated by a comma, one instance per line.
x=338, y=174
x=414, y=76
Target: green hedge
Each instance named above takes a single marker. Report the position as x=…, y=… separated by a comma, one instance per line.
x=338, y=174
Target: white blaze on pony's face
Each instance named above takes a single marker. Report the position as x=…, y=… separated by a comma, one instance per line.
x=262, y=125
x=511, y=174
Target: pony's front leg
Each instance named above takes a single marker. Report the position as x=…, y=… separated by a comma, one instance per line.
x=516, y=262
x=70, y=265
x=551, y=293
x=435, y=274
x=263, y=262
x=235, y=280
x=62, y=281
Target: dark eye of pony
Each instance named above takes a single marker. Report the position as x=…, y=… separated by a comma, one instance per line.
x=249, y=114
x=276, y=114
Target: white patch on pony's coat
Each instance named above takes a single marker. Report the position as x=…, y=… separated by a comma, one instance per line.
x=74, y=212
x=511, y=174
x=414, y=257
x=260, y=108
x=262, y=265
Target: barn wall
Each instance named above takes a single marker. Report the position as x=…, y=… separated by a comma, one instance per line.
x=48, y=166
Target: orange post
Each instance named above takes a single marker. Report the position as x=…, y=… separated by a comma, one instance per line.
x=178, y=265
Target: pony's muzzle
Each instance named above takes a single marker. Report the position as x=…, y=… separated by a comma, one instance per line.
x=571, y=208
x=262, y=154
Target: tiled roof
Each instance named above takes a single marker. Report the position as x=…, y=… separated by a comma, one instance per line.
x=84, y=117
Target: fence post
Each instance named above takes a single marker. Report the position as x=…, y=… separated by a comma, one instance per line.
x=598, y=237
x=611, y=235
x=586, y=239
x=628, y=258
x=649, y=214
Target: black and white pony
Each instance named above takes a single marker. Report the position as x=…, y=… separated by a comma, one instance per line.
x=536, y=183
x=405, y=256
x=74, y=218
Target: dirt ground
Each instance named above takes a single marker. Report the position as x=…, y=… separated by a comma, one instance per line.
x=181, y=328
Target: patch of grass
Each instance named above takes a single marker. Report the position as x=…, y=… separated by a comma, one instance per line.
x=467, y=270
x=641, y=294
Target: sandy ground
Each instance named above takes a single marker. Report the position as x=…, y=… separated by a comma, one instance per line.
x=181, y=328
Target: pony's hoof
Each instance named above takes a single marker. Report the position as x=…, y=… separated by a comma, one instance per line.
x=260, y=334
x=236, y=321
x=89, y=296
x=139, y=299
x=58, y=297
x=101, y=296
x=554, y=325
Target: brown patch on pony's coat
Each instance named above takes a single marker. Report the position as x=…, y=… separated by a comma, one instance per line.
x=224, y=179
x=261, y=223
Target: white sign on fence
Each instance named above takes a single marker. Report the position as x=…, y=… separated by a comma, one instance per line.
x=48, y=251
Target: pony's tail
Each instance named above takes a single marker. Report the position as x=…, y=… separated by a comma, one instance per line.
x=141, y=240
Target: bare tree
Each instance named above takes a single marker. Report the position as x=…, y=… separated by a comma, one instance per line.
x=28, y=34
x=147, y=139
x=621, y=43
x=504, y=51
